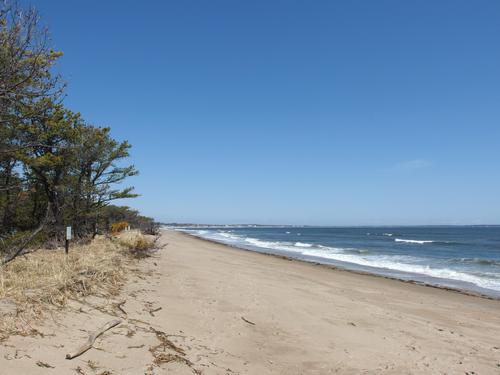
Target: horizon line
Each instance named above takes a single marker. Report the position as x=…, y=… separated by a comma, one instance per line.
x=326, y=226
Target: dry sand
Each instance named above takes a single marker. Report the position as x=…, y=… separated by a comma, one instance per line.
x=227, y=311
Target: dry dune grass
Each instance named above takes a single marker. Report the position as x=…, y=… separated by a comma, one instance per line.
x=49, y=278
x=137, y=243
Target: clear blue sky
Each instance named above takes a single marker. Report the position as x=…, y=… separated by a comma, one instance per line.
x=303, y=112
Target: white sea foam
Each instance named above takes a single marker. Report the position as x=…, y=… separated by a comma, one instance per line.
x=387, y=234
x=226, y=235
x=412, y=241
x=281, y=246
x=193, y=231
x=301, y=244
x=220, y=236
x=391, y=263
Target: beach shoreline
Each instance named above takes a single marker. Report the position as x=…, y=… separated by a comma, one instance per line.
x=200, y=307
x=345, y=269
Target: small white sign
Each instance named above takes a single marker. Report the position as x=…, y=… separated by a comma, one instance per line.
x=68, y=233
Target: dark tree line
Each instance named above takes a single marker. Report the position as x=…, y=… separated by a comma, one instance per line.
x=55, y=168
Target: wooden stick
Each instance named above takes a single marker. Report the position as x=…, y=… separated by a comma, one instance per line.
x=248, y=321
x=154, y=310
x=93, y=337
x=119, y=306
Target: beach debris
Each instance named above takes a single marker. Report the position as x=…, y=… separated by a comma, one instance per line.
x=166, y=358
x=92, y=365
x=135, y=346
x=93, y=337
x=138, y=321
x=165, y=343
x=150, y=309
x=80, y=370
x=151, y=312
x=160, y=356
x=119, y=306
x=149, y=370
x=352, y=324
x=43, y=364
x=247, y=321
x=130, y=333
x=8, y=357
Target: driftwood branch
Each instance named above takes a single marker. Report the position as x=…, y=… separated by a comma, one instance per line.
x=93, y=337
x=25, y=242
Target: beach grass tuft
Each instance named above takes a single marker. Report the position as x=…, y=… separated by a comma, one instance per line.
x=139, y=245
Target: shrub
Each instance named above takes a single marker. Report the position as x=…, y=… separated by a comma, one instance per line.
x=119, y=227
x=138, y=244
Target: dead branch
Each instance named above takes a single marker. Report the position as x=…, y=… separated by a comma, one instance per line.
x=155, y=243
x=247, y=321
x=43, y=364
x=151, y=312
x=119, y=306
x=93, y=337
x=20, y=248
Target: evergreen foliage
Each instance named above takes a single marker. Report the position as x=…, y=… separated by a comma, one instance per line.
x=55, y=168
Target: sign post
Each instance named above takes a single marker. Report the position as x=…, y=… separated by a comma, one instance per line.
x=68, y=238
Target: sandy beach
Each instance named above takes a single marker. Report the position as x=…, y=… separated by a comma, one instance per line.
x=205, y=308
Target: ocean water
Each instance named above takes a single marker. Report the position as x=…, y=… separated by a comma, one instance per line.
x=465, y=257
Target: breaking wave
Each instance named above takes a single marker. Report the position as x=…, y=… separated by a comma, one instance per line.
x=420, y=242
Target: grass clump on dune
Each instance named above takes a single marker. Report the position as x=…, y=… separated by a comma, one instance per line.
x=138, y=244
x=32, y=283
